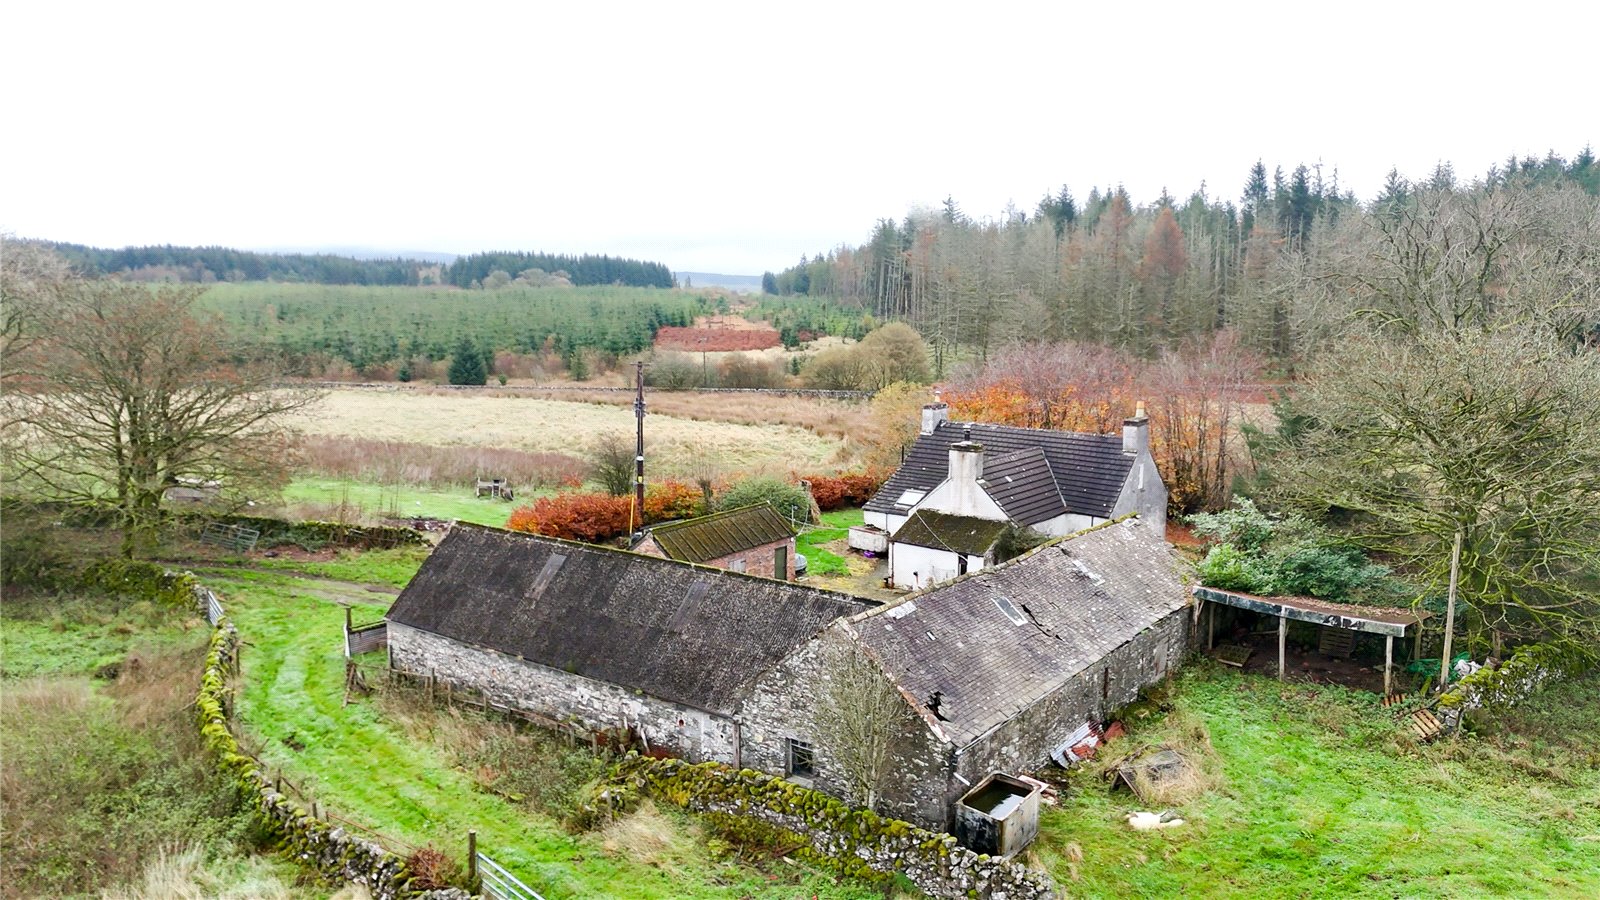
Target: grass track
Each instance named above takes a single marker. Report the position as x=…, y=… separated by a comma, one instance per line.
x=363, y=767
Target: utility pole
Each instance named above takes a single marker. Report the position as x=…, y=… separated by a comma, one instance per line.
x=1450, y=610
x=638, y=458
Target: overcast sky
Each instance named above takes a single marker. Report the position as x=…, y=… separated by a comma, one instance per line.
x=733, y=138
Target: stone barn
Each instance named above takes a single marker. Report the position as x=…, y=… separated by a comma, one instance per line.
x=997, y=668
x=752, y=539
x=602, y=637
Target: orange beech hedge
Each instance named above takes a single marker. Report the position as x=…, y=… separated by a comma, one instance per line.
x=848, y=489
x=594, y=518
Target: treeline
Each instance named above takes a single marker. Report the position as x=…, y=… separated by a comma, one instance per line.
x=479, y=268
x=210, y=264
x=1106, y=270
x=387, y=332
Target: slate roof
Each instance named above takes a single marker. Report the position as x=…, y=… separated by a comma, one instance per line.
x=943, y=531
x=1024, y=486
x=1066, y=605
x=1089, y=469
x=720, y=534
x=686, y=633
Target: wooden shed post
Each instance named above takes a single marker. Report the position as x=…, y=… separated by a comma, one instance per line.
x=1283, y=640
x=1211, y=624
x=472, y=857
x=1388, y=660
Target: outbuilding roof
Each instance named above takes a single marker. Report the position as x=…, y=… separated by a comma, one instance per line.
x=994, y=642
x=721, y=534
x=1088, y=469
x=685, y=633
x=943, y=531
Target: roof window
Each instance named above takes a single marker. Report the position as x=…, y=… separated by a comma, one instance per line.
x=1010, y=611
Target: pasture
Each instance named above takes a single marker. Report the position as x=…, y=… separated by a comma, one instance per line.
x=674, y=445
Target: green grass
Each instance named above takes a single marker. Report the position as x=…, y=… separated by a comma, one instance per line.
x=835, y=527
x=393, y=568
x=1319, y=794
x=369, y=499
x=67, y=634
x=368, y=768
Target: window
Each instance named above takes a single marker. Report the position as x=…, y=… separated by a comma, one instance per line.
x=736, y=565
x=910, y=498
x=802, y=759
x=1010, y=611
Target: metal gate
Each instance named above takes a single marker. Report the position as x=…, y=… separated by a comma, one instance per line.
x=500, y=884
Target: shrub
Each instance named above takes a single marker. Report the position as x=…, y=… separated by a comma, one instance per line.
x=786, y=498
x=579, y=517
x=1231, y=569
x=1241, y=524
x=849, y=489
x=433, y=869
x=670, y=500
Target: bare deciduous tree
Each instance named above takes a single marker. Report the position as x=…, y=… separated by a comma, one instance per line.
x=862, y=722
x=129, y=392
x=611, y=462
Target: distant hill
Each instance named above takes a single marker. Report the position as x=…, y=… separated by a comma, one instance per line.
x=742, y=284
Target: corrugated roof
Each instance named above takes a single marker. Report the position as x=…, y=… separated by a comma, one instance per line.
x=681, y=632
x=1023, y=485
x=943, y=531
x=1089, y=469
x=993, y=642
x=720, y=534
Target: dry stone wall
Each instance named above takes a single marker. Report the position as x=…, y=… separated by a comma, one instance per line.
x=853, y=841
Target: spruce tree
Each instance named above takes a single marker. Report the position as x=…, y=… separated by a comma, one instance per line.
x=466, y=366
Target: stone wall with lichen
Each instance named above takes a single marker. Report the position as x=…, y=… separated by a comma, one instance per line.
x=564, y=696
x=829, y=833
x=330, y=850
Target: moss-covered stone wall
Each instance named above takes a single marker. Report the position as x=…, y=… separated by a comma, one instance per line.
x=829, y=833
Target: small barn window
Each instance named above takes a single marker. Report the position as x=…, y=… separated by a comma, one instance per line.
x=736, y=565
x=802, y=758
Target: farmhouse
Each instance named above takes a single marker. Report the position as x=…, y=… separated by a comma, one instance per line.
x=752, y=539
x=601, y=637
x=1053, y=482
x=998, y=668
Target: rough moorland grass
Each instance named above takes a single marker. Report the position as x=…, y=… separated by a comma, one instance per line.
x=99, y=778
x=835, y=527
x=675, y=446
x=368, y=767
x=1318, y=794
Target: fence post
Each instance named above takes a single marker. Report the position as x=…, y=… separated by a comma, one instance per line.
x=472, y=857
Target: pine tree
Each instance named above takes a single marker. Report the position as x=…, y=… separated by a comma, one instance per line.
x=466, y=365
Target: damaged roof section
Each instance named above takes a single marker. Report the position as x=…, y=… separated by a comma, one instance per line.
x=721, y=534
x=1011, y=634
x=685, y=633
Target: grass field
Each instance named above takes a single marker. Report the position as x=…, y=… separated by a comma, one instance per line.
x=835, y=527
x=674, y=446
x=322, y=498
x=367, y=767
x=1317, y=794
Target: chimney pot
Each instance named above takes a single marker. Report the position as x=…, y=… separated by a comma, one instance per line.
x=1136, y=431
x=933, y=415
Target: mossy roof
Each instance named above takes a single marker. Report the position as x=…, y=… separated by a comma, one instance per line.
x=721, y=534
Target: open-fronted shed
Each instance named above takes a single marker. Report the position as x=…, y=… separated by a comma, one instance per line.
x=1388, y=621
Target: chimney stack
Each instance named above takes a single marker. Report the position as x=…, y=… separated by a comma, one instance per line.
x=1136, y=431
x=966, y=469
x=933, y=415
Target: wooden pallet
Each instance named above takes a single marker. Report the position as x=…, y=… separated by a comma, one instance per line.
x=1336, y=642
x=1393, y=700
x=1425, y=725
x=1235, y=655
